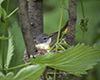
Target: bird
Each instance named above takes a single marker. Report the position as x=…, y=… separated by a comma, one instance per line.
x=45, y=41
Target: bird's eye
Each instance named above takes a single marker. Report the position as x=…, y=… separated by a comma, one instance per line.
x=44, y=38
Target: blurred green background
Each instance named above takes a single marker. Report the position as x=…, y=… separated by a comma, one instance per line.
x=52, y=12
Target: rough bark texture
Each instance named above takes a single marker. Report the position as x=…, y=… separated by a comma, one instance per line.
x=25, y=27
x=35, y=12
x=72, y=22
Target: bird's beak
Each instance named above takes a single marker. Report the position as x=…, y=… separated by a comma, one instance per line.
x=50, y=35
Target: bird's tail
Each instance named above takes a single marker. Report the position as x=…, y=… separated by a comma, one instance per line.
x=64, y=30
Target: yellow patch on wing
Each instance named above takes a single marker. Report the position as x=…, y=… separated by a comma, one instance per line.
x=65, y=30
x=49, y=47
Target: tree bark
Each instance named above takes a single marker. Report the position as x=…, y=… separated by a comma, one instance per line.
x=25, y=27
x=71, y=22
x=35, y=12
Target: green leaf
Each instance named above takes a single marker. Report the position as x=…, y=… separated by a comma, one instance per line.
x=30, y=73
x=10, y=76
x=0, y=11
x=19, y=47
x=1, y=1
x=75, y=60
x=2, y=76
x=63, y=3
x=0, y=65
x=10, y=50
x=2, y=14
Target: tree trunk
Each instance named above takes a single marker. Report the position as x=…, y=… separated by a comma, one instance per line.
x=71, y=22
x=25, y=27
x=35, y=12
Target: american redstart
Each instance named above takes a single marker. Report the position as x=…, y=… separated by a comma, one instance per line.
x=45, y=41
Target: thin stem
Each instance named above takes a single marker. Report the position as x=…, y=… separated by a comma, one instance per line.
x=58, y=37
x=18, y=66
x=7, y=8
x=56, y=48
x=3, y=48
x=52, y=47
x=54, y=78
x=82, y=9
x=12, y=12
x=83, y=37
x=59, y=27
x=3, y=41
x=83, y=15
x=62, y=47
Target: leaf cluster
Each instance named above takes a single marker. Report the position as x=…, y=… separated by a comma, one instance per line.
x=75, y=60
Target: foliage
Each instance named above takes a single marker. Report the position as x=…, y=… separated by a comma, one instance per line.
x=28, y=73
x=10, y=50
x=75, y=60
x=19, y=46
x=9, y=76
x=31, y=72
x=1, y=1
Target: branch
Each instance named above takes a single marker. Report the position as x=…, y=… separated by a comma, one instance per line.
x=71, y=22
x=25, y=27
